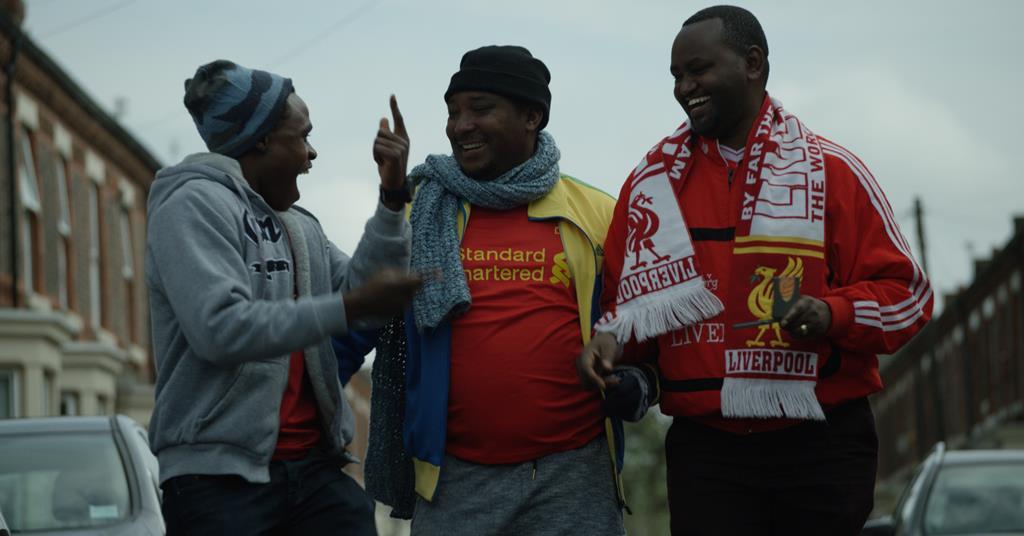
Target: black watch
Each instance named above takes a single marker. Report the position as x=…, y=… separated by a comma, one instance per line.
x=402, y=194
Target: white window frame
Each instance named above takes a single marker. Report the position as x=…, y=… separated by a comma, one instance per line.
x=12, y=374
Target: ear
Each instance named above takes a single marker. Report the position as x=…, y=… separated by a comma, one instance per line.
x=534, y=115
x=754, y=62
x=262, y=145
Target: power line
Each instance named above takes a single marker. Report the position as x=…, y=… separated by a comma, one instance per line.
x=159, y=120
x=87, y=18
x=349, y=18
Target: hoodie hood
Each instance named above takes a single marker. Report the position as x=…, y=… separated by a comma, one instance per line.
x=202, y=166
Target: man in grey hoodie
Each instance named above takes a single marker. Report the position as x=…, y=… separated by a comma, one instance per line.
x=251, y=423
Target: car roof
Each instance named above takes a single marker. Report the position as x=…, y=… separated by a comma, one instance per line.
x=54, y=425
x=965, y=457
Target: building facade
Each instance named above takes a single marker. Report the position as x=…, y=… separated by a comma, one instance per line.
x=74, y=320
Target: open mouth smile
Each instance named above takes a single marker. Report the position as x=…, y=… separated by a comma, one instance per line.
x=697, y=103
x=467, y=147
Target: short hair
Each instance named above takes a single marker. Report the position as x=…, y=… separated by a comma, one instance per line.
x=740, y=29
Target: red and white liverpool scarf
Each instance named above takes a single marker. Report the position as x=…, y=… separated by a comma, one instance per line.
x=780, y=234
x=660, y=288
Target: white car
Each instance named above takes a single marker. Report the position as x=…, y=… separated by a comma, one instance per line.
x=960, y=493
x=78, y=476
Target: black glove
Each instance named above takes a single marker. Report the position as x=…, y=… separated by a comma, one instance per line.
x=627, y=400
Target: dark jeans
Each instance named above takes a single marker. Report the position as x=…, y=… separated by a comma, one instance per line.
x=814, y=478
x=304, y=497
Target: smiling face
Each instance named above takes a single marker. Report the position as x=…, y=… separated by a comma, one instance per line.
x=719, y=89
x=490, y=134
x=286, y=153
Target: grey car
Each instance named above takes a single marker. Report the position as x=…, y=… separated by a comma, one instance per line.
x=960, y=493
x=78, y=476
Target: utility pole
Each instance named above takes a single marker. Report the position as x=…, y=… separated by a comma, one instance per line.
x=919, y=218
x=932, y=374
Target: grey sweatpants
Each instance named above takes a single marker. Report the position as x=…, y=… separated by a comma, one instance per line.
x=563, y=493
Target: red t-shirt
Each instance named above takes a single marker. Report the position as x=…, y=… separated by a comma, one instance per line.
x=300, y=424
x=514, y=395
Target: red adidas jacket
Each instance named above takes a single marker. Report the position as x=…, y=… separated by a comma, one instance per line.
x=878, y=295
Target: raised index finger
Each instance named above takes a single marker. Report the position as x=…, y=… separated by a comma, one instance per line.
x=397, y=115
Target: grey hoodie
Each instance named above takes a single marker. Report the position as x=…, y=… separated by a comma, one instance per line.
x=222, y=287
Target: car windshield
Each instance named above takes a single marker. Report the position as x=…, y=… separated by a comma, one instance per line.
x=976, y=499
x=61, y=480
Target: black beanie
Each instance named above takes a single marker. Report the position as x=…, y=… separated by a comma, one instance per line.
x=510, y=71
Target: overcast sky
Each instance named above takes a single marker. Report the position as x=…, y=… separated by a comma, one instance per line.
x=925, y=92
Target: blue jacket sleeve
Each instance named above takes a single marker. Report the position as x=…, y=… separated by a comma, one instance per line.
x=350, y=350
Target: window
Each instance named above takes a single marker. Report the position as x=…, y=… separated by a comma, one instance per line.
x=29, y=184
x=68, y=403
x=8, y=393
x=63, y=230
x=27, y=247
x=102, y=405
x=47, y=394
x=27, y=173
x=980, y=498
x=128, y=271
x=43, y=488
x=95, y=304
x=128, y=260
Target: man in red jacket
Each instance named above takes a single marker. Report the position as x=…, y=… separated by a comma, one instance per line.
x=762, y=265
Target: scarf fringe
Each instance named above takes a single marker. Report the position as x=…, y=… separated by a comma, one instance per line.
x=762, y=398
x=653, y=314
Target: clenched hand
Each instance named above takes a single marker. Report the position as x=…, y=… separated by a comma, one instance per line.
x=386, y=294
x=809, y=318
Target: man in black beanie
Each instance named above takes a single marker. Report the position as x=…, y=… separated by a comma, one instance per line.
x=502, y=438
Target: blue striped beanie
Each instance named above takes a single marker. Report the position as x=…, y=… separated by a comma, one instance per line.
x=234, y=107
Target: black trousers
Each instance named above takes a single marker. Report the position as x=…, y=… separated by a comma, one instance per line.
x=815, y=478
x=304, y=497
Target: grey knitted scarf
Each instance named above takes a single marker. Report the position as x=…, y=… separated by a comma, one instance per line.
x=435, y=241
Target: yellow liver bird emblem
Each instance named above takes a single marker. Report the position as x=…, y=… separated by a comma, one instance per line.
x=762, y=297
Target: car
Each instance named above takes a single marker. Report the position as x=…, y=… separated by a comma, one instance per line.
x=78, y=476
x=959, y=493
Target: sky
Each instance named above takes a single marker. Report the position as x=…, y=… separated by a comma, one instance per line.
x=923, y=91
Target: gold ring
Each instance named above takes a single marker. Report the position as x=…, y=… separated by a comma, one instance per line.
x=803, y=329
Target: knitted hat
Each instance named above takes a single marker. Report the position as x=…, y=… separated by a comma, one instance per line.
x=234, y=107
x=510, y=71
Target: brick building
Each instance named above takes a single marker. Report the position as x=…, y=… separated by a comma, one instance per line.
x=74, y=315
x=74, y=323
